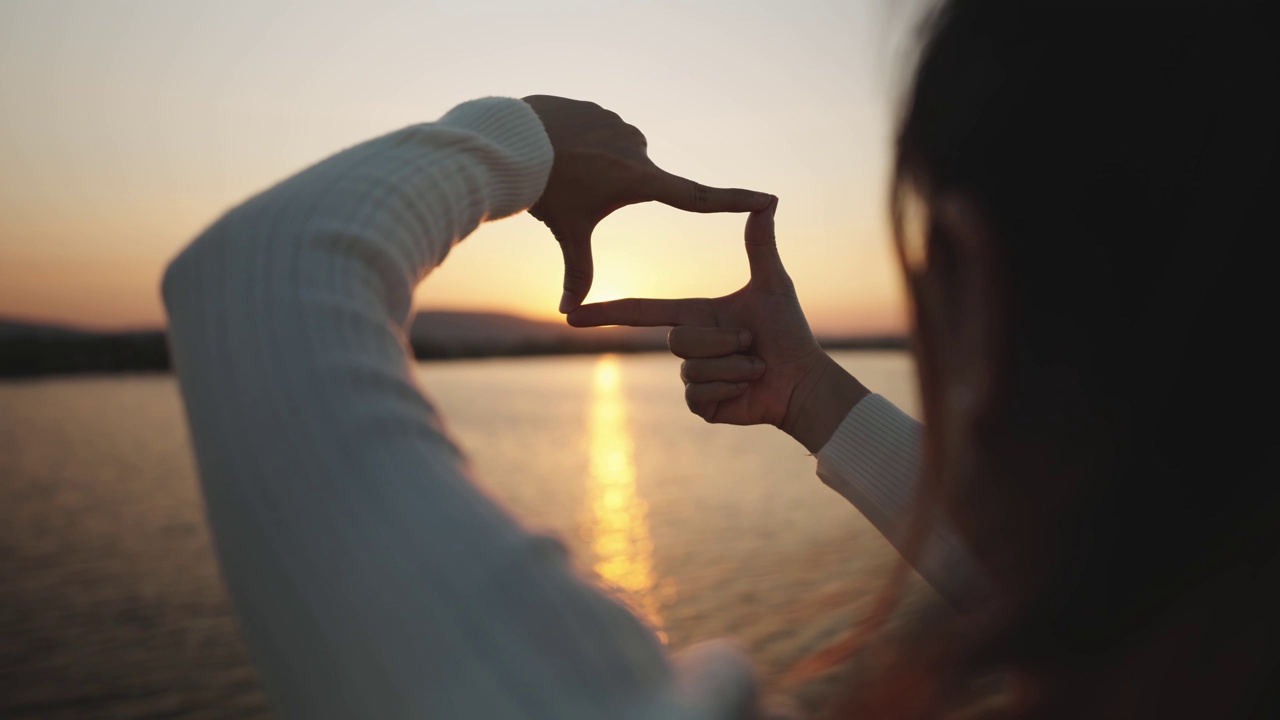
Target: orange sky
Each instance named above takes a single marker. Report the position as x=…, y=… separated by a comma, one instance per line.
x=127, y=126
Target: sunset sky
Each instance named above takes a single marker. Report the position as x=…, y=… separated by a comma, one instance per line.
x=126, y=127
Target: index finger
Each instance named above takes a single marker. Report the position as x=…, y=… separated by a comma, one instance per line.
x=640, y=312
x=688, y=195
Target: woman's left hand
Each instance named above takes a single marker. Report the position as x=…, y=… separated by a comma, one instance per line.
x=749, y=357
x=602, y=164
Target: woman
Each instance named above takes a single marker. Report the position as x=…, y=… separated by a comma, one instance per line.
x=1077, y=193
x=372, y=579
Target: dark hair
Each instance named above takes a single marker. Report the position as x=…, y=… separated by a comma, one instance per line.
x=1122, y=155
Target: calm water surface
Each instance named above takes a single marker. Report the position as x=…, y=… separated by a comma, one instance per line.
x=110, y=602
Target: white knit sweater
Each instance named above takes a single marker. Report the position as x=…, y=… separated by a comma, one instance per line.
x=371, y=577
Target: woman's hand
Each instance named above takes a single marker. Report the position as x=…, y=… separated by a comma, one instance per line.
x=750, y=357
x=602, y=164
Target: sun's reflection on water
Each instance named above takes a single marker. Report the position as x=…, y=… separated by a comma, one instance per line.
x=616, y=522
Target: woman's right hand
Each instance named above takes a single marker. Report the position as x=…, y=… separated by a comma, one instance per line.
x=749, y=357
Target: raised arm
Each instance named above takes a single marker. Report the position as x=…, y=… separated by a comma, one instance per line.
x=371, y=577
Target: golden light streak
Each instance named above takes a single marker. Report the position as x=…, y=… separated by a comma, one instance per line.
x=616, y=521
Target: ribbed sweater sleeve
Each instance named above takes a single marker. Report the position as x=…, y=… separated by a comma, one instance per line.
x=370, y=575
x=873, y=460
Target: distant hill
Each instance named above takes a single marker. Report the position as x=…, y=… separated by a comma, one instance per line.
x=31, y=349
x=466, y=334
x=11, y=330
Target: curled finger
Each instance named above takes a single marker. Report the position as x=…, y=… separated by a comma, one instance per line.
x=731, y=369
x=703, y=398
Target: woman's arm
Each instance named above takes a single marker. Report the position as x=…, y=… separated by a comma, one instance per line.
x=371, y=577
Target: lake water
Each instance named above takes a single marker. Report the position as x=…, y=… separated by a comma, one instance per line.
x=110, y=602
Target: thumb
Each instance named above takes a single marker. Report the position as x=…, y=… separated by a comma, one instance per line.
x=575, y=245
x=767, y=271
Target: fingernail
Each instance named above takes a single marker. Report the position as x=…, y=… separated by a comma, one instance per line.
x=742, y=386
x=566, y=303
x=744, y=339
x=763, y=200
x=758, y=364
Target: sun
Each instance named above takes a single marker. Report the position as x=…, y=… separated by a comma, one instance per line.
x=603, y=291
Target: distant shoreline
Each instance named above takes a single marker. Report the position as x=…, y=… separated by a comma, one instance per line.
x=32, y=351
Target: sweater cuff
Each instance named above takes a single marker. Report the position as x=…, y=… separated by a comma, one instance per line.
x=515, y=128
x=873, y=460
